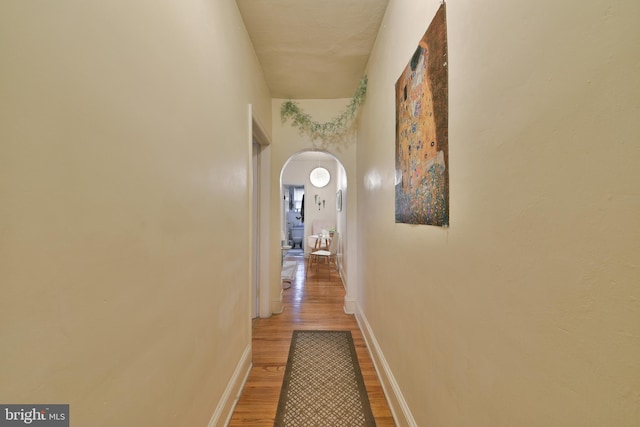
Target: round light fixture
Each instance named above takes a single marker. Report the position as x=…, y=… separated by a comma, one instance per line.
x=319, y=177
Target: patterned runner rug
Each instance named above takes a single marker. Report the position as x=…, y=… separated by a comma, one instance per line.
x=323, y=385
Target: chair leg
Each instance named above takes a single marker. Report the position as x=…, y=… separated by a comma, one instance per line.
x=318, y=259
x=325, y=260
x=311, y=257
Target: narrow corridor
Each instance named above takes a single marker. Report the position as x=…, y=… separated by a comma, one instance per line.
x=314, y=302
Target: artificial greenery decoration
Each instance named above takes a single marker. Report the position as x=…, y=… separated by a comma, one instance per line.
x=328, y=130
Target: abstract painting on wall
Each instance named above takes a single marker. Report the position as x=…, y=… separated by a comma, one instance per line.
x=422, y=143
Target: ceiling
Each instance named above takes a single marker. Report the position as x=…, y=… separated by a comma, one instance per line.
x=312, y=49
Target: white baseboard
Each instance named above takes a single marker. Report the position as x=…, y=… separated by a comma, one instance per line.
x=226, y=405
x=398, y=405
x=350, y=305
x=276, y=305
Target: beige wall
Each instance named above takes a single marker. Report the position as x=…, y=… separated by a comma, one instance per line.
x=525, y=312
x=124, y=238
x=287, y=141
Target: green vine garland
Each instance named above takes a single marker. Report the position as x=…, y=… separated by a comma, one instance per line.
x=328, y=130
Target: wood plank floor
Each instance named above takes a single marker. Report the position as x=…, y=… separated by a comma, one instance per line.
x=313, y=302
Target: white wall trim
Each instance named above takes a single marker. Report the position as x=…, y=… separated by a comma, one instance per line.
x=258, y=133
x=349, y=302
x=350, y=305
x=398, y=405
x=277, y=306
x=231, y=394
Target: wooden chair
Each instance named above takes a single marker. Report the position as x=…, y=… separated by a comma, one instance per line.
x=327, y=255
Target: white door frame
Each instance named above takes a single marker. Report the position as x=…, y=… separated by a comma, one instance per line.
x=259, y=199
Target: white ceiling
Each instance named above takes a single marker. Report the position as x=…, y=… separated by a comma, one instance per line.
x=312, y=49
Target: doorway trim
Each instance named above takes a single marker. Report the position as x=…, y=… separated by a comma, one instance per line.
x=259, y=201
x=344, y=222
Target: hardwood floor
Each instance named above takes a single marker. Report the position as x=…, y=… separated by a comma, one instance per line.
x=312, y=302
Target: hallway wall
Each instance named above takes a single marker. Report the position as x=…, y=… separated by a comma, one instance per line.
x=124, y=206
x=526, y=311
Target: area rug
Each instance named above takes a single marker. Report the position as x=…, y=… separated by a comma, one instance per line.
x=288, y=273
x=323, y=384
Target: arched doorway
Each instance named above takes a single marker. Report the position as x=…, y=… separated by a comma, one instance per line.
x=324, y=205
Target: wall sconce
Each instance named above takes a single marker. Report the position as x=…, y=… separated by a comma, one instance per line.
x=319, y=202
